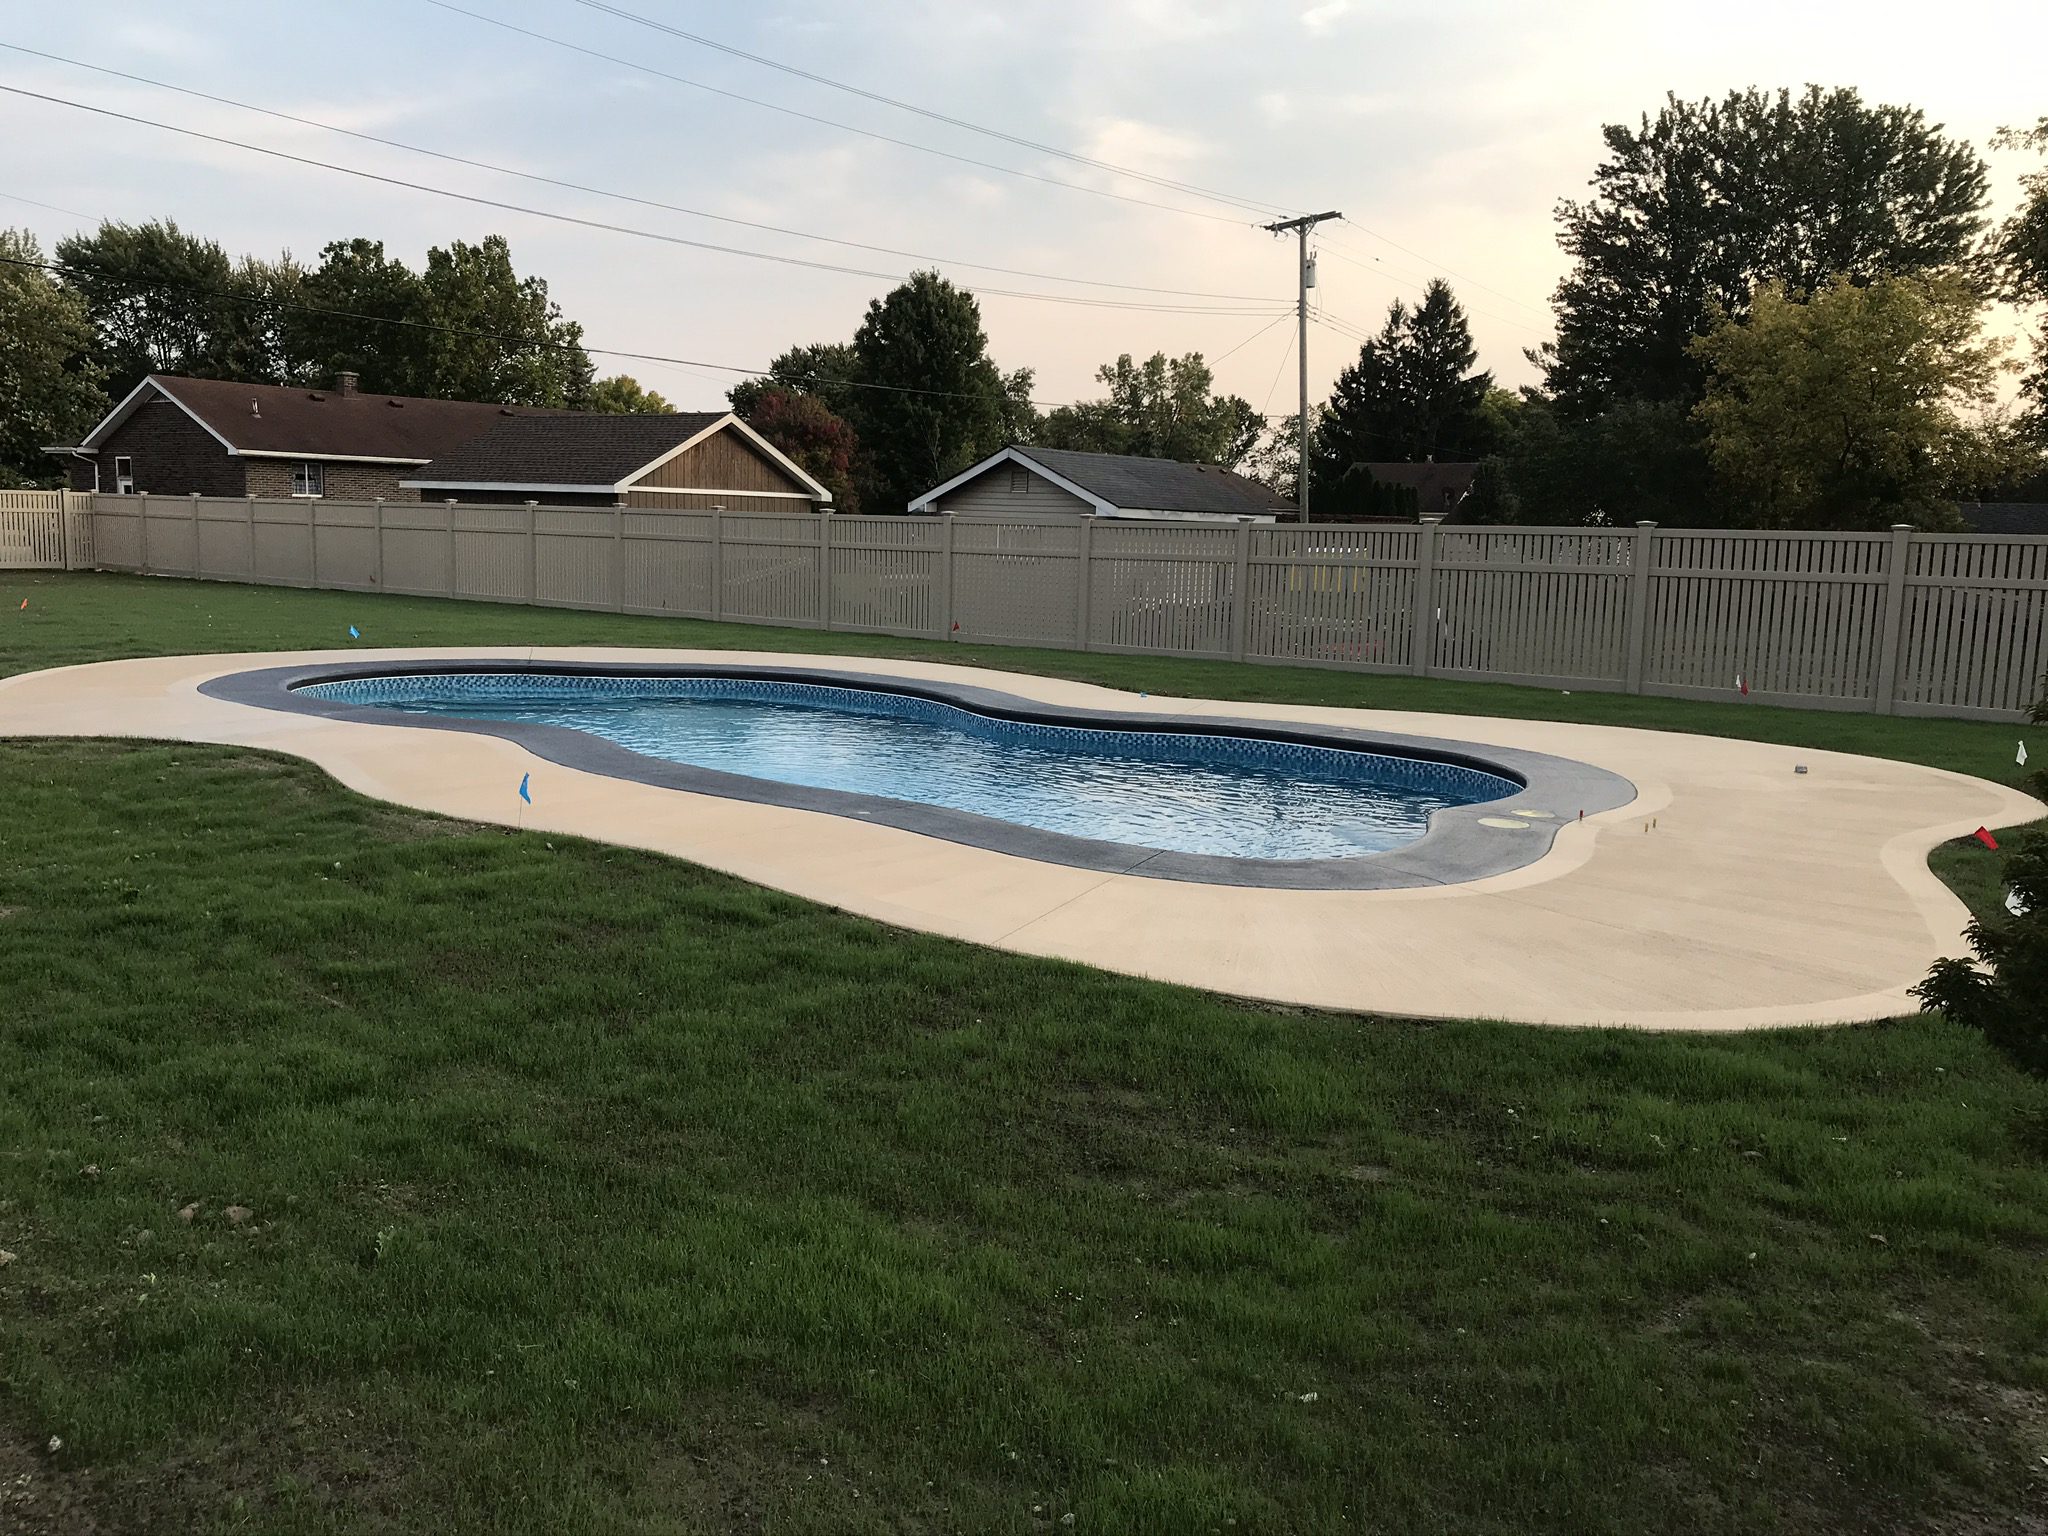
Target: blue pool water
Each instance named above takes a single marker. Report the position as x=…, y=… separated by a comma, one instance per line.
x=1182, y=791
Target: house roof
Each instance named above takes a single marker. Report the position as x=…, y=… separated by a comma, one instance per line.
x=583, y=451
x=2005, y=516
x=1436, y=486
x=274, y=420
x=1117, y=482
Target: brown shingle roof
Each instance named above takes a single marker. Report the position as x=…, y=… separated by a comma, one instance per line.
x=567, y=450
x=324, y=423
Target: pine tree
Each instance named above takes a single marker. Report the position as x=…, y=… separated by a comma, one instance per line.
x=1411, y=395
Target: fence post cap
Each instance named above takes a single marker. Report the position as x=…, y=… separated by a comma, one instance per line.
x=1431, y=518
x=1648, y=522
x=1902, y=527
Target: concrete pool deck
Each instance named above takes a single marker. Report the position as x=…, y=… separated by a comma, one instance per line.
x=1733, y=893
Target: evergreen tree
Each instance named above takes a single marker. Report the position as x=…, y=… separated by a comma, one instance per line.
x=1411, y=395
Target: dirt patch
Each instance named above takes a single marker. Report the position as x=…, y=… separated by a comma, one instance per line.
x=40, y=1496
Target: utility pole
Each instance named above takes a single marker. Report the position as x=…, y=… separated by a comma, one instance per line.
x=1301, y=227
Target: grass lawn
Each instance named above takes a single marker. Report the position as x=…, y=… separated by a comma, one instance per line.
x=579, y=1190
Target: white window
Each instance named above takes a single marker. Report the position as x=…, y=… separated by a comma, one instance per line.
x=124, y=476
x=309, y=479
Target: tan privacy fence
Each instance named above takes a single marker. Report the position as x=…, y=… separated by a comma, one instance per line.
x=1900, y=622
x=45, y=531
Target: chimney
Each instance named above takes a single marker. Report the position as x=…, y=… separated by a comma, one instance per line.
x=345, y=383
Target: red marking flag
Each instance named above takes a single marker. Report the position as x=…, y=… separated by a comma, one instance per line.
x=1986, y=839
x=24, y=603
x=1742, y=685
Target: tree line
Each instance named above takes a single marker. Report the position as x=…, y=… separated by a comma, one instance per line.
x=1773, y=318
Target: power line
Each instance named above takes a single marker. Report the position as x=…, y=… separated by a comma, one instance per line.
x=1265, y=210
x=15, y=197
x=1264, y=411
x=828, y=122
x=611, y=228
x=1409, y=281
x=1255, y=335
x=537, y=343
x=1429, y=261
x=624, y=197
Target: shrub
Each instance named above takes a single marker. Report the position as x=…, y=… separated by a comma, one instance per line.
x=2004, y=992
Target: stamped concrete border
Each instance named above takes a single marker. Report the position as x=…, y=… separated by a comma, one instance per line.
x=1458, y=846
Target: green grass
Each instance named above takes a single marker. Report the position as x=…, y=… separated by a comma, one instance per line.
x=589, y=1191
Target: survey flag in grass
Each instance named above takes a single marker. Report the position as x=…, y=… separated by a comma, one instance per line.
x=525, y=793
x=354, y=633
x=1984, y=836
x=2021, y=759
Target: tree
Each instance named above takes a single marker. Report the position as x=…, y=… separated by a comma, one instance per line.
x=161, y=301
x=2007, y=998
x=931, y=401
x=622, y=395
x=827, y=370
x=49, y=383
x=2021, y=252
x=359, y=315
x=499, y=336
x=1695, y=210
x=1492, y=498
x=805, y=428
x=1159, y=409
x=1411, y=395
x=1849, y=410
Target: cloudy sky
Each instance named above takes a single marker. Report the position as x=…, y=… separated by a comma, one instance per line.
x=1445, y=132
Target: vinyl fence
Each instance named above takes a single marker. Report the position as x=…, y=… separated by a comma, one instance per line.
x=45, y=531
x=1898, y=622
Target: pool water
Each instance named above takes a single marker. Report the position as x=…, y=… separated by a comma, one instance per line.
x=1183, y=791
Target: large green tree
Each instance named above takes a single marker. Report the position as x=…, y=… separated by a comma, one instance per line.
x=49, y=384
x=806, y=429
x=359, y=313
x=1162, y=408
x=1693, y=210
x=624, y=395
x=163, y=301
x=2022, y=254
x=1413, y=394
x=931, y=401
x=1856, y=406
x=827, y=369
x=496, y=335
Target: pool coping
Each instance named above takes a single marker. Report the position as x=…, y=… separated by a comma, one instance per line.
x=1458, y=847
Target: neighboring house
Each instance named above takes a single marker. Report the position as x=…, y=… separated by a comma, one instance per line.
x=2005, y=516
x=1439, y=488
x=681, y=461
x=172, y=436
x=1058, y=482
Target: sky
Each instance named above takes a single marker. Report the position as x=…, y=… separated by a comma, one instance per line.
x=1446, y=133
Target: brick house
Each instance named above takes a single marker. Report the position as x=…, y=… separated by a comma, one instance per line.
x=172, y=436
x=175, y=436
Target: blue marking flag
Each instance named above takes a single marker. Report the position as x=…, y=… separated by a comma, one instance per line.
x=525, y=793
x=354, y=633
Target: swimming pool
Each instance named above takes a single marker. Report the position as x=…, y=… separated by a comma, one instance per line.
x=1182, y=791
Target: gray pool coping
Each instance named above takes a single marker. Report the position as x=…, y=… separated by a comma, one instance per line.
x=1456, y=848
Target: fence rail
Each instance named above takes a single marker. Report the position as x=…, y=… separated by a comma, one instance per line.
x=1898, y=622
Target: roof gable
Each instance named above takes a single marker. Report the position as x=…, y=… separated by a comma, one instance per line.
x=260, y=420
x=584, y=451
x=1116, y=482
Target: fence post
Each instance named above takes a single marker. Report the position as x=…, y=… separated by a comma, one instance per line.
x=1638, y=603
x=824, y=521
x=1240, y=592
x=249, y=532
x=717, y=563
x=448, y=506
x=1084, y=553
x=142, y=529
x=313, y=542
x=619, y=559
x=1896, y=560
x=377, y=537
x=945, y=575
x=192, y=512
x=533, y=552
x=1422, y=643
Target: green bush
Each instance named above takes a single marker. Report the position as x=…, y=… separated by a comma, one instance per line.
x=2004, y=992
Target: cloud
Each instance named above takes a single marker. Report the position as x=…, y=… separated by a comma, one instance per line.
x=1320, y=18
